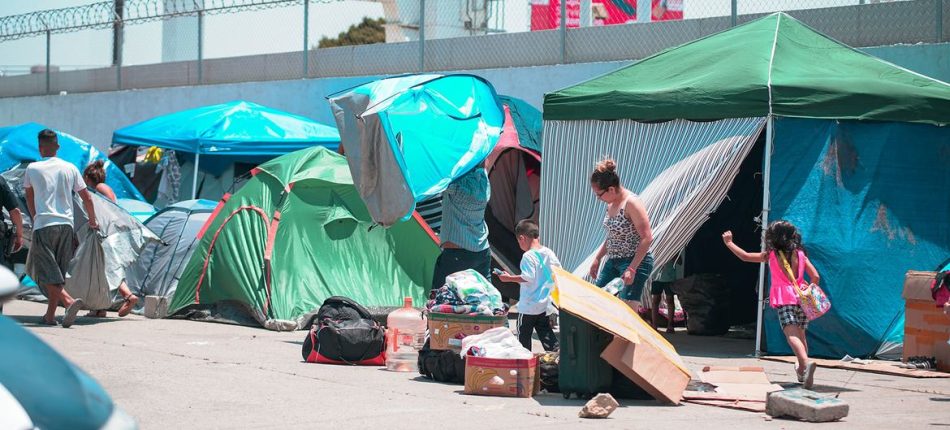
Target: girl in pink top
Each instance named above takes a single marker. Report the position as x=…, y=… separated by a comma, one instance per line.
x=782, y=238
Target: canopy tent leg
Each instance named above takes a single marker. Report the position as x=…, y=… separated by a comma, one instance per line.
x=194, y=180
x=764, y=218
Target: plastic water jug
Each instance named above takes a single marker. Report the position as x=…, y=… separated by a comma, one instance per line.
x=614, y=287
x=406, y=330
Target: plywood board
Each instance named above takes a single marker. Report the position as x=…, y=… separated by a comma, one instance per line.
x=721, y=375
x=740, y=382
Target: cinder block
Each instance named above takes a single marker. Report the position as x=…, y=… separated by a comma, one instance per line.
x=806, y=405
x=155, y=307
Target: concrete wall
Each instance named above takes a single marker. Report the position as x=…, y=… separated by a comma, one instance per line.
x=931, y=60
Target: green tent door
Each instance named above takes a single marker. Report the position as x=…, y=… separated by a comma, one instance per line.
x=238, y=246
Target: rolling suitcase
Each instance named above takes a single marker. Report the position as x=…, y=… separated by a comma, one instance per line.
x=582, y=372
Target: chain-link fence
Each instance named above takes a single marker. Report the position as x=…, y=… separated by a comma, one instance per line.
x=125, y=44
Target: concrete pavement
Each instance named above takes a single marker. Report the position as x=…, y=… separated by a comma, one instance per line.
x=185, y=374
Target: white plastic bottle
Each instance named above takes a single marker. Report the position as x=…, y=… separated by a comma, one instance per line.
x=406, y=330
x=614, y=287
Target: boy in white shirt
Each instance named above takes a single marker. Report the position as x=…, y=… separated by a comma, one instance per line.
x=537, y=283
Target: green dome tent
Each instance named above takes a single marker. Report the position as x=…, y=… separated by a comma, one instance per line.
x=297, y=233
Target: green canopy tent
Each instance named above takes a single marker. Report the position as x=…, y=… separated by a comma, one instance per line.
x=838, y=128
x=297, y=233
x=772, y=66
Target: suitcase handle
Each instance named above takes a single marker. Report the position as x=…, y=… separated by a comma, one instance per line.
x=570, y=343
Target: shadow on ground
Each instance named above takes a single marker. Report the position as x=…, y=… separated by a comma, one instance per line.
x=37, y=320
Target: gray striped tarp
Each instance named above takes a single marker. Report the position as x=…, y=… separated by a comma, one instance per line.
x=681, y=169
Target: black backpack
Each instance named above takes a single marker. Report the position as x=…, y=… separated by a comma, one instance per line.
x=344, y=332
x=441, y=365
x=549, y=366
x=340, y=308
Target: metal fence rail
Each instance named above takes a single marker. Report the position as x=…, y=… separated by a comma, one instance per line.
x=124, y=44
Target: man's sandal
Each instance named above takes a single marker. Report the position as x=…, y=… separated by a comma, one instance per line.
x=128, y=305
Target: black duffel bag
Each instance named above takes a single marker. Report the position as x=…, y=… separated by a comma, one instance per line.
x=344, y=332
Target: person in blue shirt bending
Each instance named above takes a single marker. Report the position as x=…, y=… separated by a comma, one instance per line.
x=464, y=233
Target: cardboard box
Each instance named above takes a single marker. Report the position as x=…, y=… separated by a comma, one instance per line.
x=746, y=388
x=648, y=368
x=637, y=351
x=501, y=377
x=446, y=331
x=926, y=327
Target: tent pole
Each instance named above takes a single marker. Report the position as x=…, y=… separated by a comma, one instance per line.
x=194, y=180
x=766, y=207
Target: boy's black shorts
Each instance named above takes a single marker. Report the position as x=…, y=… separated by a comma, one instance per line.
x=661, y=287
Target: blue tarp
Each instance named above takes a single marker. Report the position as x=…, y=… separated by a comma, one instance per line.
x=527, y=121
x=871, y=202
x=237, y=128
x=19, y=144
x=137, y=208
x=406, y=138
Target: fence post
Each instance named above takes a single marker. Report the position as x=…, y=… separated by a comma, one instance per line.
x=562, y=28
x=735, y=12
x=422, y=36
x=117, y=40
x=118, y=65
x=48, y=40
x=938, y=17
x=306, y=38
x=201, y=33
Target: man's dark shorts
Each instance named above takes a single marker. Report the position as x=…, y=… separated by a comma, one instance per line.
x=660, y=287
x=51, y=251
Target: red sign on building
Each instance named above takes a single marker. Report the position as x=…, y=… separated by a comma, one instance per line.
x=546, y=14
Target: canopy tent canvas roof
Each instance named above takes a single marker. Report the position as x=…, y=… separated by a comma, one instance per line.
x=240, y=128
x=234, y=129
x=771, y=66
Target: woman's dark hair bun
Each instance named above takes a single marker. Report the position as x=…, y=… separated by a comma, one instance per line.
x=607, y=165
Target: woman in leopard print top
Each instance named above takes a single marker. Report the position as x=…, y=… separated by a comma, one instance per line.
x=628, y=235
